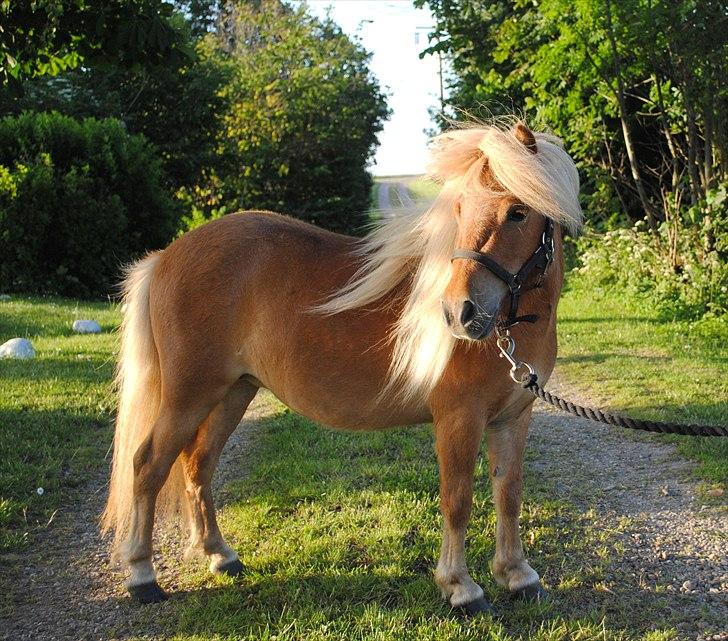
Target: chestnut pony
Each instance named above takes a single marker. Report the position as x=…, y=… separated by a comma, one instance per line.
x=355, y=334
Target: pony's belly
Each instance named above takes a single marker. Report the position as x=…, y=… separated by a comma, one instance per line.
x=339, y=404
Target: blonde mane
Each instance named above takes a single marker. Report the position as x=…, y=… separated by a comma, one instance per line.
x=419, y=245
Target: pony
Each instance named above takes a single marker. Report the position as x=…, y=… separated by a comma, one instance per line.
x=356, y=334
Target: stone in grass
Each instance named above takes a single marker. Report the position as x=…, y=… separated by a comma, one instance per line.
x=86, y=327
x=17, y=348
x=4, y=296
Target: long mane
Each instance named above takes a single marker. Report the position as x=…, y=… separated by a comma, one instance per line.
x=417, y=245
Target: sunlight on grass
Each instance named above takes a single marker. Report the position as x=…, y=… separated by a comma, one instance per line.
x=616, y=352
x=340, y=533
x=54, y=410
x=422, y=190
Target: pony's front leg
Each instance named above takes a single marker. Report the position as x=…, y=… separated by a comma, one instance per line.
x=457, y=443
x=506, y=442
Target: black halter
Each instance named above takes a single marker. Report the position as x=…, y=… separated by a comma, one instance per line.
x=540, y=259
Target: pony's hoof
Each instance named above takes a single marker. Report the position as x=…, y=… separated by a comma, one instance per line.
x=474, y=608
x=534, y=593
x=231, y=568
x=147, y=593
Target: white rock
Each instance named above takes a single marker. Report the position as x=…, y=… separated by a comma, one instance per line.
x=4, y=296
x=86, y=327
x=17, y=348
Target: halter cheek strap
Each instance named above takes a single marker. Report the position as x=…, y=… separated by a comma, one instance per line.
x=540, y=259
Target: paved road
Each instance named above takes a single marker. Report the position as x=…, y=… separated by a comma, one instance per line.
x=392, y=191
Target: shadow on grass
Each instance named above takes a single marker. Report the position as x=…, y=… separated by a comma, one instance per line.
x=54, y=450
x=335, y=603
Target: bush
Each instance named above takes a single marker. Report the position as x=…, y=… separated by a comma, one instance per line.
x=683, y=269
x=77, y=200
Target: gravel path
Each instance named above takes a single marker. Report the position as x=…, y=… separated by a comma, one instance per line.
x=674, y=544
x=675, y=538
x=66, y=589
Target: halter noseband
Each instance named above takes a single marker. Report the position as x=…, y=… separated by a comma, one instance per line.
x=540, y=259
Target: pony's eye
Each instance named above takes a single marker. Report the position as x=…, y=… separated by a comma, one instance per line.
x=517, y=213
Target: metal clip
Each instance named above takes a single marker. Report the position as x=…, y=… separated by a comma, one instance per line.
x=507, y=347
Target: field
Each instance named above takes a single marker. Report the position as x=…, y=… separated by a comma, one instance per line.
x=340, y=532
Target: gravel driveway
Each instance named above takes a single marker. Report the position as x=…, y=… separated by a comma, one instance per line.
x=392, y=191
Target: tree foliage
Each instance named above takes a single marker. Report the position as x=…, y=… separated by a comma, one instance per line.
x=178, y=108
x=77, y=201
x=303, y=115
x=45, y=37
x=638, y=89
x=275, y=109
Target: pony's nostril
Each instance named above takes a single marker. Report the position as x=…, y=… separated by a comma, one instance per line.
x=467, y=313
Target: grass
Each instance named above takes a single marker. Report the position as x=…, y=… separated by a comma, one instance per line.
x=616, y=351
x=54, y=409
x=422, y=190
x=341, y=531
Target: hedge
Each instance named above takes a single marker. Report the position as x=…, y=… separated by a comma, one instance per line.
x=77, y=201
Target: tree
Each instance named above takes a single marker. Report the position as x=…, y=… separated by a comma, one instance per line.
x=45, y=37
x=304, y=112
x=179, y=108
x=637, y=89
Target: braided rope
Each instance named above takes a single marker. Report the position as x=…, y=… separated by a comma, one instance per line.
x=530, y=383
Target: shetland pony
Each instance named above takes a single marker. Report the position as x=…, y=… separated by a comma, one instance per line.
x=356, y=334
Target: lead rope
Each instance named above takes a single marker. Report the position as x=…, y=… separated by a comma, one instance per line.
x=524, y=374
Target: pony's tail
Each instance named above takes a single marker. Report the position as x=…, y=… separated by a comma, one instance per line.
x=138, y=382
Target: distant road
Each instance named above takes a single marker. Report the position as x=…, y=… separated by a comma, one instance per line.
x=393, y=195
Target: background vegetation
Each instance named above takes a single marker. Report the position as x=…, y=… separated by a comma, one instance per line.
x=638, y=90
x=246, y=105
x=169, y=115
x=77, y=199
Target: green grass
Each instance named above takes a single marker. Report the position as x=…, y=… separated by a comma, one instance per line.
x=422, y=190
x=374, y=196
x=54, y=409
x=341, y=531
x=617, y=352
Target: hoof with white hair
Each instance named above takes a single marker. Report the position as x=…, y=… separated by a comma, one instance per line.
x=147, y=593
x=534, y=593
x=231, y=568
x=476, y=608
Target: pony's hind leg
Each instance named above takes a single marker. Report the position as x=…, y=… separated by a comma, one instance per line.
x=199, y=460
x=172, y=431
x=457, y=444
x=506, y=443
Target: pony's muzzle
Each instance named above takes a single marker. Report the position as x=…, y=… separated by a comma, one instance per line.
x=467, y=319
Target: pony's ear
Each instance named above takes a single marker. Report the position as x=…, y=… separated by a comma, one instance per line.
x=525, y=136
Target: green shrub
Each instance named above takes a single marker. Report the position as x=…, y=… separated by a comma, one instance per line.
x=77, y=200
x=683, y=269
